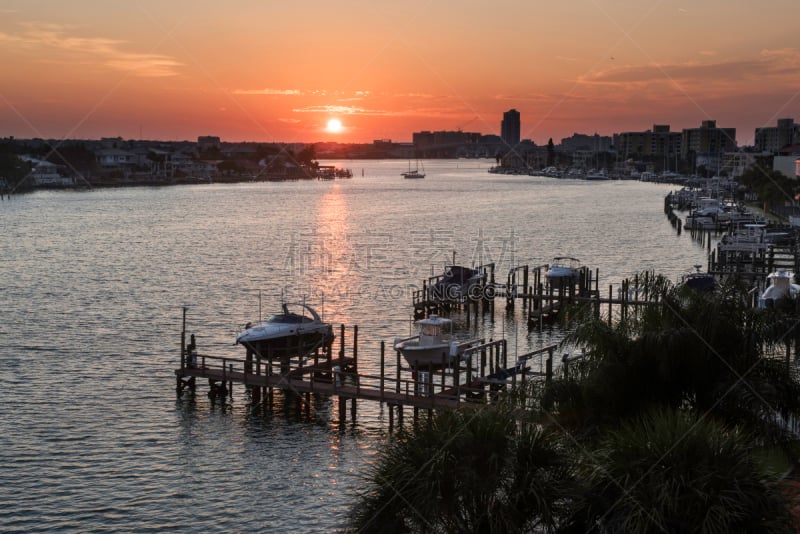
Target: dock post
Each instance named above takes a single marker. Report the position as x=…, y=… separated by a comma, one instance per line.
x=383, y=361
x=397, y=387
x=183, y=340
x=355, y=348
x=341, y=342
x=525, y=303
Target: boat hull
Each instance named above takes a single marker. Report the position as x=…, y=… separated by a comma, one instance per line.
x=418, y=357
x=289, y=345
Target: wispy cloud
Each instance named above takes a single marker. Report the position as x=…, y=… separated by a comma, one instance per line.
x=771, y=63
x=343, y=110
x=107, y=52
x=267, y=92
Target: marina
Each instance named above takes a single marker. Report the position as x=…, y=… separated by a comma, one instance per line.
x=431, y=370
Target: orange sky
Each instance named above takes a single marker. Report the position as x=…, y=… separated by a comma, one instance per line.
x=278, y=71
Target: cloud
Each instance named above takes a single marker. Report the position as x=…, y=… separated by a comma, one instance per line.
x=343, y=110
x=267, y=92
x=107, y=52
x=771, y=63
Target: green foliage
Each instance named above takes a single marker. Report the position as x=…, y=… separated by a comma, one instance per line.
x=771, y=186
x=673, y=472
x=676, y=421
x=467, y=472
x=13, y=169
x=691, y=350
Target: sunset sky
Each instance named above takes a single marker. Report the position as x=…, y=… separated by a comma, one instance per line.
x=258, y=70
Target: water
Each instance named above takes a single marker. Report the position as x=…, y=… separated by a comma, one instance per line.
x=93, y=285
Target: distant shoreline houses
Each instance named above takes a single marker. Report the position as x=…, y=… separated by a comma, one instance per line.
x=705, y=150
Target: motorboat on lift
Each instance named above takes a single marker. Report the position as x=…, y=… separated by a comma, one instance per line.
x=780, y=286
x=296, y=331
x=699, y=281
x=434, y=344
x=563, y=267
x=456, y=283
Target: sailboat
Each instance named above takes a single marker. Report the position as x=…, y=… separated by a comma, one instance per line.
x=413, y=173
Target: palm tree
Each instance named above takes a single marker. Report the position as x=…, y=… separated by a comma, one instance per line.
x=472, y=471
x=706, y=352
x=669, y=471
x=659, y=428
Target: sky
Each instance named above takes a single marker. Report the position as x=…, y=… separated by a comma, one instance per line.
x=268, y=71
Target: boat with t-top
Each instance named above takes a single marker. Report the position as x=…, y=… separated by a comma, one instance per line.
x=434, y=345
x=297, y=330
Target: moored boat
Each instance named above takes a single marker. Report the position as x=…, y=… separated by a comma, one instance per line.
x=563, y=267
x=781, y=286
x=434, y=344
x=456, y=283
x=699, y=281
x=297, y=330
x=413, y=173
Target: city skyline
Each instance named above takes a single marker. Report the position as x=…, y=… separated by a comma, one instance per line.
x=286, y=73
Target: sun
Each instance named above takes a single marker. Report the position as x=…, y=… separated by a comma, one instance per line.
x=334, y=126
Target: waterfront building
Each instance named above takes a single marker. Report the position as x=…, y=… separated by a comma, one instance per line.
x=592, y=143
x=773, y=138
x=708, y=140
x=510, y=128
x=659, y=143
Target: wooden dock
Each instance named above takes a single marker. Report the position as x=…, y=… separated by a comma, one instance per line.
x=480, y=376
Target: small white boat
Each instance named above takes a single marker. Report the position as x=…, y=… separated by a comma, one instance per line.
x=434, y=344
x=563, y=267
x=595, y=174
x=780, y=285
x=297, y=331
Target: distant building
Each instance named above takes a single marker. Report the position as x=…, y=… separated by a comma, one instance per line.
x=708, y=140
x=445, y=143
x=46, y=174
x=115, y=157
x=592, y=143
x=659, y=143
x=774, y=138
x=510, y=128
x=204, y=142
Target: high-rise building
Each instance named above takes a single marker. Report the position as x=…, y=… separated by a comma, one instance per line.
x=774, y=138
x=708, y=139
x=510, y=128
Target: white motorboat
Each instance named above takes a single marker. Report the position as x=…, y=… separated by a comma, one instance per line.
x=563, y=267
x=434, y=344
x=780, y=286
x=297, y=331
x=595, y=174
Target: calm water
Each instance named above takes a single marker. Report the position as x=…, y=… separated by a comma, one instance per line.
x=93, y=284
